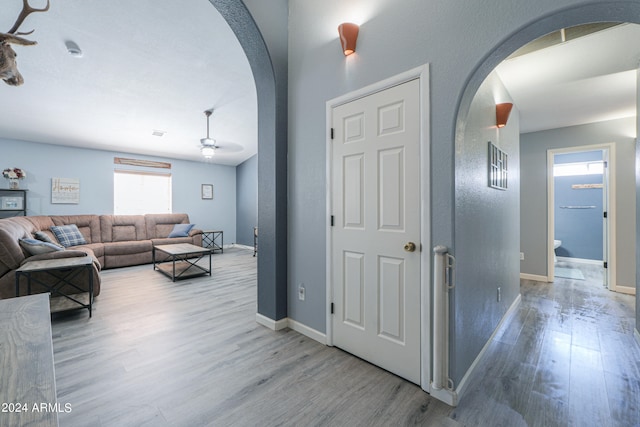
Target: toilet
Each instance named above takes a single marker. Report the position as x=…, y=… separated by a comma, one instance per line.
x=556, y=245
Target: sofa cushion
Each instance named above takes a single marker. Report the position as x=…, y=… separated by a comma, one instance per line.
x=68, y=235
x=160, y=225
x=37, y=247
x=127, y=248
x=175, y=240
x=122, y=228
x=89, y=225
x=44, y=237
x=181, y=230
x=11, y=254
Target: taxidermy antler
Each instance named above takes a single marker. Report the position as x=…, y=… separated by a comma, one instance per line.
x=8, y=66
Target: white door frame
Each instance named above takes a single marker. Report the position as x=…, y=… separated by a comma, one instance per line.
x=610, y=156
x=421, y=73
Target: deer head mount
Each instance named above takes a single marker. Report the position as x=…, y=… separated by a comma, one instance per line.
x=8, y=66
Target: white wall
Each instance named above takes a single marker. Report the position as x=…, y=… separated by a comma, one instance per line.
x=95, y=168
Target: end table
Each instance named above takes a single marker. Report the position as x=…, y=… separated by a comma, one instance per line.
x=210, y=240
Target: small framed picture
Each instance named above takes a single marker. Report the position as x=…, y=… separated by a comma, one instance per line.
x=11, y=203
x=498, y=168
x=206, y=191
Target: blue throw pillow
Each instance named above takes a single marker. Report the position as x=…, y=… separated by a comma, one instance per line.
x=37, y=247
x=68, y=235
x=181, y=230
x=44, y=237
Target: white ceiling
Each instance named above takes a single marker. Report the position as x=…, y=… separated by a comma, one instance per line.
x=589, y=79
x=147, y=65
x=158, y=64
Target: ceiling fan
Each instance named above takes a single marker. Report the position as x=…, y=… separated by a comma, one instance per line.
x=209, y=147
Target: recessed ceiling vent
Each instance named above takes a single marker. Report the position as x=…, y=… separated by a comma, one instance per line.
x=73, y=49
x=158, y=132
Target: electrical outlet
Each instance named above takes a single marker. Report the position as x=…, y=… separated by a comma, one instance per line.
x=301, y=292
x=499, y=294
x=521, y=256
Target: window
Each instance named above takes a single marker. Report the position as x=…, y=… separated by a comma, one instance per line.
x=582, y=168
x=136, y=193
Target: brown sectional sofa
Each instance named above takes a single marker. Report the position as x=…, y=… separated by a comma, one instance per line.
x=112, y=240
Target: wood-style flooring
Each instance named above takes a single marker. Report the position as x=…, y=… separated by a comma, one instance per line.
x=189, y=353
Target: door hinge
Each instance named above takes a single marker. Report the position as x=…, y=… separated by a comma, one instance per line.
x=332, y=222
x=331, y=133
x=605, y=214
x=605, y=264
x=331, y=308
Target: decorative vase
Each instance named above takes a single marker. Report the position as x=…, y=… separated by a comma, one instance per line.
x=14, y=184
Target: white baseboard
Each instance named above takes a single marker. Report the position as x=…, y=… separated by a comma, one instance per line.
x=630, y=290
x=238, y=245
x=450, y=397
x=277, y=325
x=580, y=260
x=534, y=277
x=464, y=382
x=308, y=332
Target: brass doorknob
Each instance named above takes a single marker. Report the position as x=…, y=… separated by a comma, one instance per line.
x=410, y=247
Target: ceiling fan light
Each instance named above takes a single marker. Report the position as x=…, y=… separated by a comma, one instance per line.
x=208, y=145
x=207, y=151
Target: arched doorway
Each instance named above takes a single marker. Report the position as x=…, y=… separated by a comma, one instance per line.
x=271, y=88
x=598, y=12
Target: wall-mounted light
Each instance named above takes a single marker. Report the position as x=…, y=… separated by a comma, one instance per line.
x=502, y=113
x=348, y=37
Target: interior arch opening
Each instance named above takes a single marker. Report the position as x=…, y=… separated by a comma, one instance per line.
x=485, y=83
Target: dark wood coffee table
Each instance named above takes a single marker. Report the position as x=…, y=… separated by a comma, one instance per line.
x=180, y=260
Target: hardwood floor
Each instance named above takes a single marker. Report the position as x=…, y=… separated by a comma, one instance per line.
x=190, y=353
x=568, y=358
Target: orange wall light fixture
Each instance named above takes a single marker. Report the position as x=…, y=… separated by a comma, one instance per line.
x=502, y=113
x=348, y=37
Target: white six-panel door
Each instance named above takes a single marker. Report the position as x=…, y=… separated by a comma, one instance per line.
x=376, y=210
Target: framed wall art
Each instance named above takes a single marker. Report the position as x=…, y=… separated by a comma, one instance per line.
x=206, y=191
x=498, y=168
x=65, y=190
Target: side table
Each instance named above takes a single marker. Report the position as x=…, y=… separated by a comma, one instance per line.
x=61, y=271
x=28, y=376
x=210, y=240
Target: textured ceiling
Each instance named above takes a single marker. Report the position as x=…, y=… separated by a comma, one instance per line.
x=156, y=65
x=147, y=65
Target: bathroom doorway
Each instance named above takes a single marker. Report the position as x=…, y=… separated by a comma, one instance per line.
x=581, y=226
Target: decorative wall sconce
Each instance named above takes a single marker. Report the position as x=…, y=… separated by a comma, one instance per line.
x=348, y=37
x=502, y=113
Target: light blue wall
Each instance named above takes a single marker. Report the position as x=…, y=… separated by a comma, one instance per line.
x=533, y=169
x=247, y=200
x=578, y=212
x=95, y=168
x=487, y=225
x=462, y=42
x=637, y=212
